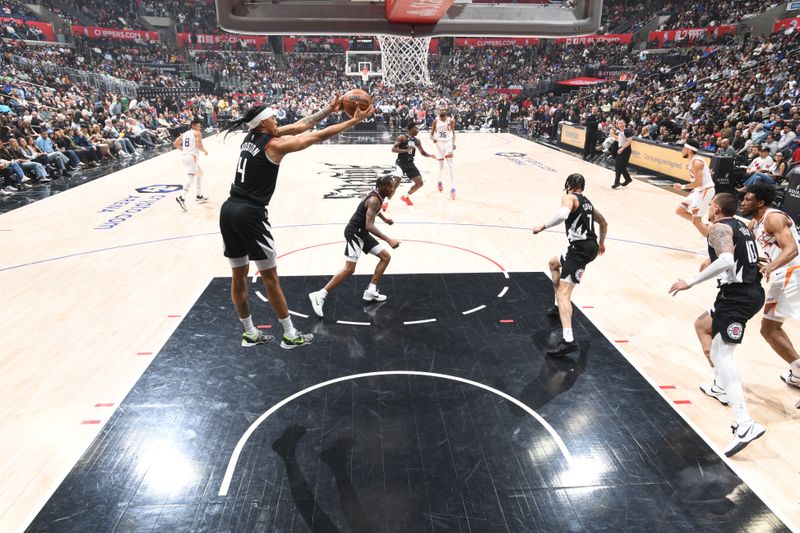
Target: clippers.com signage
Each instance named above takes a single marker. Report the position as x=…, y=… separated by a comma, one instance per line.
x=619, y=38
x=785, y=24
x=691, y=34
x=496, y=43
x=95, y=32
x=213, y=41
x=44, y=27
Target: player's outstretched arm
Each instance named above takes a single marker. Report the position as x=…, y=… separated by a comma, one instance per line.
x=422, y=150
x=779, y=225
x=567, y=206
x=294, y=143
x=306, y=123
x=720, y=238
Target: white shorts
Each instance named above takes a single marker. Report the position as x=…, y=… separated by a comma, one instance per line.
x=190, y=163
x=699, y=199
x=445, y=149
x=783, y=295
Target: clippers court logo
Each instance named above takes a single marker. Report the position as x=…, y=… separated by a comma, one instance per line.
x=159, y=189
x=353, y=181
x=521, y=159
x=735, y=331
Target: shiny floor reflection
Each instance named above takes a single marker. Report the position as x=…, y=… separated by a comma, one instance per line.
x=399, y=453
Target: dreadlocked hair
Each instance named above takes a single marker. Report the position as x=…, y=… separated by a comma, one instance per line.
x=383, y=180
x=574, y=182
x=248, y=116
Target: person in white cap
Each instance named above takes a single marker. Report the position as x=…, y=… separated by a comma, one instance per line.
x=695, y=206
x=243, y=218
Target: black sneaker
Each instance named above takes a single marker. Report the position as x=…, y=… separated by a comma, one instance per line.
x=181, y=202
x=562, y=348
x=552, y=312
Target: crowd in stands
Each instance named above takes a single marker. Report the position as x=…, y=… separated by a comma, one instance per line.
x=15, y=10
x=193, y=16
x=619, y=12
x=686, y=14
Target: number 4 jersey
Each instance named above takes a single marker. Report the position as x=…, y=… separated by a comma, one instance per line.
x=745, y=256
x=256, y=174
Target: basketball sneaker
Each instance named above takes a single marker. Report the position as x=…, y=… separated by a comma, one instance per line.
x=289, y=343
x=254, y=339
x=562, y=348
x=385, y=206
x=743, y=434
x=201, y=199
x=790, y=379
x=181, y=202
x=407, y=200
x=439, y=186
x=374, y=296
x=317, y=301
x=715, y=391
x=452, y=194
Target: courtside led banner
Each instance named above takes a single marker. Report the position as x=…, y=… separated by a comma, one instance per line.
x=95, y=32
x=213, y=41
x=481, y=42
x=621, y=38
x=691, y=34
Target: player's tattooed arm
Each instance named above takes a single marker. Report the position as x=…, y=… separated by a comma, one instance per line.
x=720, y=238
x=306, y=123
x=601, y=221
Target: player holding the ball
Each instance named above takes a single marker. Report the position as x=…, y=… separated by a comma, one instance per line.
x=243, y=218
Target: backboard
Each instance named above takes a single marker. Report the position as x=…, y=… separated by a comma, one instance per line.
x=364, y=17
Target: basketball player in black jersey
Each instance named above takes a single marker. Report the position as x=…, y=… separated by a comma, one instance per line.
x=359, y=238
x=734, y=262
x=405, y=146
x=566, y=271
x=243, y=217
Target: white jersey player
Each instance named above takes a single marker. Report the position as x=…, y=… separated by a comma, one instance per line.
x=702, y=185
x=776, y=234
x=191, y=143
x=443, y=135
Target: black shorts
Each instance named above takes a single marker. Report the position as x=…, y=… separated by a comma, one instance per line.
x=406, y=169
x=734, y=306
x=574, y=260
x=247, y=234
x=358, y=241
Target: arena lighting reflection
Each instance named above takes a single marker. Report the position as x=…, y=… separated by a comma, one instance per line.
x=584, y=471
x=165, y=468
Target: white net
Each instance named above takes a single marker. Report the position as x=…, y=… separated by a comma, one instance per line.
x=405, y=59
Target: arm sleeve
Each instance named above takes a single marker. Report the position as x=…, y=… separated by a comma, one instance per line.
x=560, y=216
x=720, y=265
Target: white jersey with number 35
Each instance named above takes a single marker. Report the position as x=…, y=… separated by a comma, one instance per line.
x=442, y=131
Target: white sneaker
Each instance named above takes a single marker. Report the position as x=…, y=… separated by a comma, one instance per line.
x=743, y=435
x=715, y=391
x=202, y=199
x=317, y=301
x=373, y=296
x=790, y=379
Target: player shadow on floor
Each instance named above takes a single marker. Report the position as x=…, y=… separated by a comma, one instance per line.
x=304, y=498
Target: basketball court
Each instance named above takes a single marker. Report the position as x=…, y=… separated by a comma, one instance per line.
x=128, y=404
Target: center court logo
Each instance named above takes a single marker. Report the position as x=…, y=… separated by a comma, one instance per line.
x=159, y=189
x=521, y=159
x=354, y=181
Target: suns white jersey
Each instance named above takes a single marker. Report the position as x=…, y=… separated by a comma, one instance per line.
x=767, y=241
x=707, y=183
x=442, y=131
x=189, y=143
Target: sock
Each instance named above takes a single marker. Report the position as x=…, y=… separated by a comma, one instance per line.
x=247, y=324
x=323, y=292
x=730, y=380
x=452, y=177
x=372, y=288
x=568, y=335
x=288, y=328
x=199, y=182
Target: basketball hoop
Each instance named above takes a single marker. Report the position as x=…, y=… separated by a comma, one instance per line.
x=405, y=59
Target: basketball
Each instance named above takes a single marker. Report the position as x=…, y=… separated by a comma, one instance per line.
x=355, y=98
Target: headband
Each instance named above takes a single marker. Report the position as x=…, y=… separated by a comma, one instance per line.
x=690, y=147
x=268, y=112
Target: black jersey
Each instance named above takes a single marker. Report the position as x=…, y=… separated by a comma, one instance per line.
x=410, y=142
x=255, y=173
x=745, y=256
x=359, y=219
x=580, y=223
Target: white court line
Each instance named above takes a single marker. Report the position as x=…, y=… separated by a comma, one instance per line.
x=411, y=322
x=503, y=292
x=505, y=274
x=262, y=297
x=226, y=480
x=348, y=323
x=473, y=310
x=255, y=277
x=295, y=313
